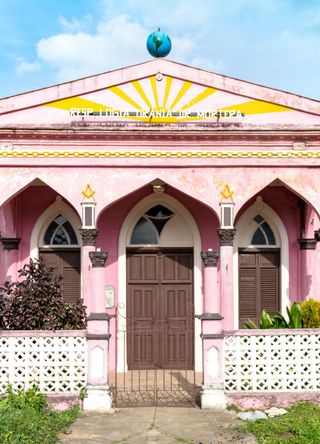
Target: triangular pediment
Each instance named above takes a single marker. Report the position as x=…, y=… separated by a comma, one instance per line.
x=159, y=92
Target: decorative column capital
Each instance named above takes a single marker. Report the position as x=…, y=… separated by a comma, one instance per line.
x=10, y=243
x=307, y=244
x=226, y=236
x=98, y=258
x=210, y=258
x=89, y=236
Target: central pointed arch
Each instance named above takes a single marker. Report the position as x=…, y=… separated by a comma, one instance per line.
x=128, y=225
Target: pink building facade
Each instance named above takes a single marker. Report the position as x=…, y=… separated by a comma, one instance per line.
x=176, y=202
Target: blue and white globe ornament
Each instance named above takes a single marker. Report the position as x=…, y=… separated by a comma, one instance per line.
x=159, y=44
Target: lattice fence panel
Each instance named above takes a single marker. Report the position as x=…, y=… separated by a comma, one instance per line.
x=57, y=364
x=272, y=363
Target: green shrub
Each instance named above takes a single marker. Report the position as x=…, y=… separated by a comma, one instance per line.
x=310, y=312
x=35, y=302
x=29, y=426
x=25, y=419
x=278, y=320
x=20, y=399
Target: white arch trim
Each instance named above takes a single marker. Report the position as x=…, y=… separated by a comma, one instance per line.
x=58, y=207
x=127, y=226
x=242, y=239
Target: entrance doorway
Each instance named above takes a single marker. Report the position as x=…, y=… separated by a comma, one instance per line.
x=159, y=353
x=160, y=315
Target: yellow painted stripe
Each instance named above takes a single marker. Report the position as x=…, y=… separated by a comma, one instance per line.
x=76, y=102
x=153, y=82
x=203, y=95
x=137, y=86
x=117, y=91
x=163, y=153
x=257, y=107
x=167, y=91
x=184, y=88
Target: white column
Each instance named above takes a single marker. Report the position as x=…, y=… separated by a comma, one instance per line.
x=99, y=396
x=226, y=276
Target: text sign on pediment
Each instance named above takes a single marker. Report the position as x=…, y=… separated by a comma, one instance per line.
x=166, y=101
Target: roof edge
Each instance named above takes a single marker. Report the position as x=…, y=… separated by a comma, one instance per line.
x=182, y=71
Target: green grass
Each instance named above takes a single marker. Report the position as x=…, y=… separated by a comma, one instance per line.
x=28, y=425
x=301, y=425
x=183, y=440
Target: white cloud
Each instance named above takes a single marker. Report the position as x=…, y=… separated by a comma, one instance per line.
x=25, y=67
x=117, y=42
x=75, y=25
x=264, y=41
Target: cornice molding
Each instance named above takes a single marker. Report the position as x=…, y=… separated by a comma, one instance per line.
x=308, y=244
x=10, y=243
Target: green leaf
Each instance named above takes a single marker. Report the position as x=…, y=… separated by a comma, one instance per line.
x=250, y=325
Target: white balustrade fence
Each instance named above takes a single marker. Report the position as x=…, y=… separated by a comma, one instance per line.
x=55, y=361
x=272, y=360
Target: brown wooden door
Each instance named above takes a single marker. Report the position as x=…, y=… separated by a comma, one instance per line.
x=258, y=284
x=160, y=332
x=65, y=264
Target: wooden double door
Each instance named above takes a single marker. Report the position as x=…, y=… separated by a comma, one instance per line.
x=160, y=315
x=259, y=283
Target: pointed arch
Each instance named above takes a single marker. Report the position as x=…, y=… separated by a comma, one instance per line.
x=278, y=182
x=129, y=223
x=245, y=226
x=58, y=207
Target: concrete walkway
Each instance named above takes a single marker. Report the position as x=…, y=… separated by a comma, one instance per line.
x=163, y=425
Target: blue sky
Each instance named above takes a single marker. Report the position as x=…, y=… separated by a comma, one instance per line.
x=272, y=42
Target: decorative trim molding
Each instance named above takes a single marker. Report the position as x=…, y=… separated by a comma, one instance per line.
x=307, y=244
x=162, y=153
x=226, y=236
x=317, y=235
x=209, y=317
x=98, y=337
x=210, y=258
x=212, y=336
x=89, y=236
x=99, y=317
x=98, y=258
x=10, y=243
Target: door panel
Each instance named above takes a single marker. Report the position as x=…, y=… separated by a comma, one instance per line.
x=248, y=301
x=269, y=290
x=177, y=335
x=65, y=265
x=258, y=284
x=160, y=316
x=142, y=268
x=140, y=325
